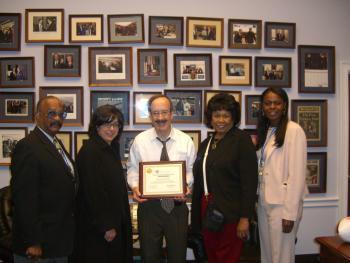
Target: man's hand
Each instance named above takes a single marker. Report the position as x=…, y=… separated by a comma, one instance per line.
x=287, y=225
x=243, y=228
x=136, y=195
x=34, y=252
x=110, y=235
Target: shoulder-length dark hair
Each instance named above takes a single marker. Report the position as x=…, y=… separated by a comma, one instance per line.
x=263, y=122
x=223, y=101
x=106, y=114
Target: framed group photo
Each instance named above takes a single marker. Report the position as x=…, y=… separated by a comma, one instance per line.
x=62, y=61
x=80, y=137
x=17, y=72
x=235, y=71
x=9, y=137
x=17, y=107
x=140, y=102
x=44, y=25
x=126, y=28
x=280, y=35
x=86, y=28
x=208, y=94
x=311, y=115
x=244, y=33
x=166, y=30
x=125, y=142
x=10, y=31
x=252, y=108
x=152, y=66
x=316, y=172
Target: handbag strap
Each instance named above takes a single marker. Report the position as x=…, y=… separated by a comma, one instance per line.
x=204, y=168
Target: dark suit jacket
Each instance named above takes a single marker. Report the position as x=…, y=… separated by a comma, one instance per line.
x=231, y=177
x=43, y=196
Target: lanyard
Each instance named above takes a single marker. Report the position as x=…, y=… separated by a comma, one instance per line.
x=262, y=152
x=204, y=168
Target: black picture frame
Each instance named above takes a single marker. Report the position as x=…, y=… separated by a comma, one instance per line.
x=126, y=28
x=280, y=35
x=125, y=142
x=17, y=72
x=10, y=28
x=152, y=65
x=316, y=172
x=252, y=107
x=17, y=107
x=239, y=36
x=166, y=30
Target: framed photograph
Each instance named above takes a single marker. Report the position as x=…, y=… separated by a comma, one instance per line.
x=279, y=35
x=110, y=66
x=205, y=32
x=252, y=107
x=44, y=25
x=152, y=66
x=126, y=29
x=17, y=107
x=66, y=139
x=79, y=139
x=62, y=61
x=273, y=72
x=141, y=114
x=244, y=33
x=253, y=133
x=316, y=65
x=125, y=141
x=17, y=72
x=10, y=31
x=193, y=70
x=119, y=99
x=316, y=172
x=73, y=99
x=312, y=117
x=235, y=71
x=187, y=105
x=9, y=137
x=166, y=30
x=208, y=94
x=195, y=136
x=86, y=28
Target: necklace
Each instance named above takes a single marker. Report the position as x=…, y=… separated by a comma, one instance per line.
x=215, y=143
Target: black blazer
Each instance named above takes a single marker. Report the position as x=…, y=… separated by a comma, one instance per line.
x=43, y=194
x=231, y=177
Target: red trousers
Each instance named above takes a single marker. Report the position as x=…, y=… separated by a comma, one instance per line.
x=223, y=246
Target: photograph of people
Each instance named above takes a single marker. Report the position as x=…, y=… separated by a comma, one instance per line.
x=231, y=176
x=282, y=185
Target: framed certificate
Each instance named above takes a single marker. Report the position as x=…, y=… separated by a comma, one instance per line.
x=162, y=179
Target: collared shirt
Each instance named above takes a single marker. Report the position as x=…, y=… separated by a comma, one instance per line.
x=146, y=148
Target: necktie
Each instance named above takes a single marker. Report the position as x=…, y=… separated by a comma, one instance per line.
x=65, y=158
x=167, y=204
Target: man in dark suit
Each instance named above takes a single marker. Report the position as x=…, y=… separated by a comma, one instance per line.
x=43, y=187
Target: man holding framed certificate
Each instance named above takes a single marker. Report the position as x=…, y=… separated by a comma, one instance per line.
x=160, y=175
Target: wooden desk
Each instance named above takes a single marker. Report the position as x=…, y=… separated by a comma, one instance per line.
x=333, y=250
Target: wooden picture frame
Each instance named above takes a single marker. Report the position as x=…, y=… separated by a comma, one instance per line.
x=86, y=28
x=152, y=66
x=311, y=115
x=244, y=33
x=195, y=136
x=17, y=107
x=119, y=99
x=235, y=71
x=316, y=68
x=208, y=94
x=110, y=66
x=44, y=25
x=273, y=72
x=280, y=35
x=166, y=30
x=126, y=28
x=9, y=137
x=125, y=142
x=79, y=138
x=10, y=28
x=62, y=61
x=316, y=172
x=205, y=32
x=187, y=105
x=17, y=72
x=140, y=103
x=193, y=70
x=253, y=133
x=252, y=107
x=66, y=139
x=73, y=99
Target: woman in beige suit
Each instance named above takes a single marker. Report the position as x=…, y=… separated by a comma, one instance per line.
x=282, y=166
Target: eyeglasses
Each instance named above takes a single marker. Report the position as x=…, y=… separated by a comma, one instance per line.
x=160, y=113
x=53, y=114
x=114, y=125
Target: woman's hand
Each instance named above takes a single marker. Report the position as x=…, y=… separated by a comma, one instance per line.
x=287, y=225
x=110, y=235
x=136, y=195
x=243, y=228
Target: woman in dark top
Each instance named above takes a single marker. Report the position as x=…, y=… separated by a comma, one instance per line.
x=104, y=215
x=231, y=175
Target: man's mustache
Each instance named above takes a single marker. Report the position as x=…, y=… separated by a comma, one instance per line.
x=161, y=121
x=56, y=123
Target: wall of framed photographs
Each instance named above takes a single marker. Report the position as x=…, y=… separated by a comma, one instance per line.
x=190, y=51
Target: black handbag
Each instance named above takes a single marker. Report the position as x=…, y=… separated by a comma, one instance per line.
x=213, y=219
x=196, y=243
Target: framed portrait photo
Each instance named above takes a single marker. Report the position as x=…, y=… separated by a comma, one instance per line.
x=44, y=25
x=118, y=99
x=62, y=61
x=125, y=142
x=273, y=72
x=17, y=72
x=316, y=172
x=73, y=100
x=79, y=139
x=279, y=35
x=195, y=136
x=10, y=31
x=126, y=29
x=205, y=32
x=9, y=137
x=311, y=115
x=252, y=108
x=66, y=138
x=235, y=71
x=316, y=66
x=166, y=30
x=253, y=133
x=141, y=114
x=187, y=105
x=193, y=70
x=86, y=28
x=110, y=66
x=208, y=94
x=17, y=107
x=243, y=33
x=152, y=66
